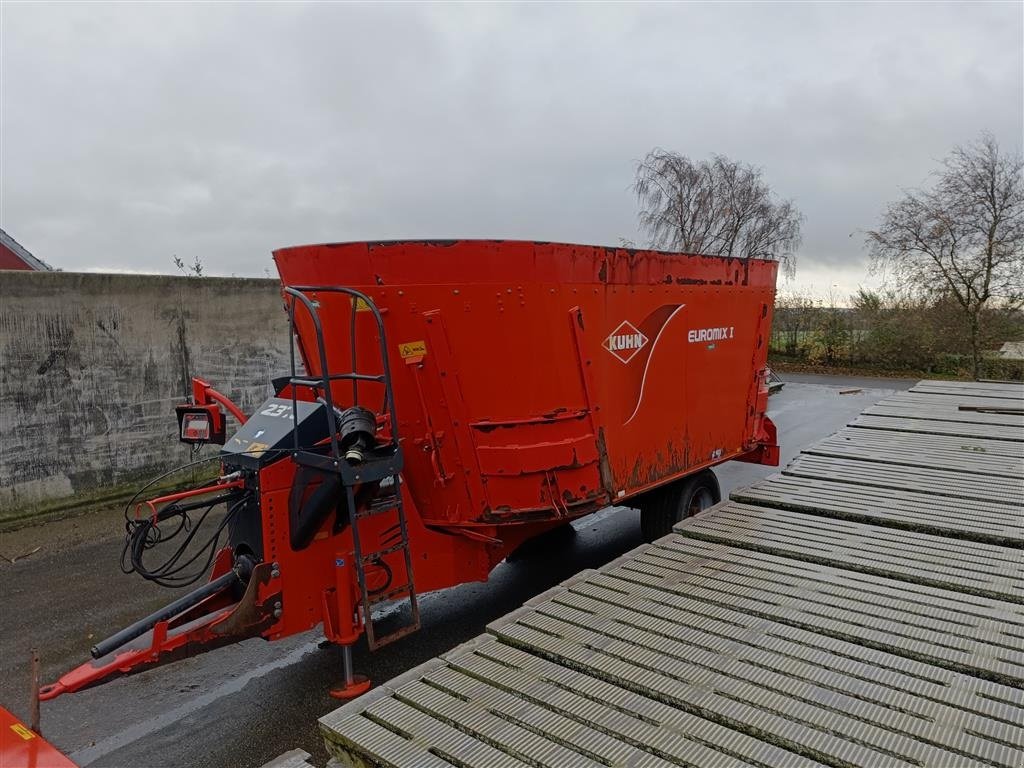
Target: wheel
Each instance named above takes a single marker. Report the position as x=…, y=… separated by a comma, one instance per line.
x=676, y=501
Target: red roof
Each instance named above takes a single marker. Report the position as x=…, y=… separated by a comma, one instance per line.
x=13, y=255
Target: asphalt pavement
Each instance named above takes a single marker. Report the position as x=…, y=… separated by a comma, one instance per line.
x=240, y=706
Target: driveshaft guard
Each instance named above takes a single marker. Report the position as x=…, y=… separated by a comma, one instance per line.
x=267, y=435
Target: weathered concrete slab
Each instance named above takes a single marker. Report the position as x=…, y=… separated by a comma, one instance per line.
x=973, y=635
x=608, y=667
x=973, y=456
x=1004, y=389
x=587, y=720
x=296, y=758
x=919, y=558
x=912, y=399
x=989, y=522
x=865, y=608
x=953, y=414
x=838, y=704
x=936, y=482
x=936, y=427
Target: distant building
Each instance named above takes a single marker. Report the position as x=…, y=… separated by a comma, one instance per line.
x=14, y=256
x=1012, y=350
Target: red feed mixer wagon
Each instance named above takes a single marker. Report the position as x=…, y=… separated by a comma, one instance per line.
x=448, y=401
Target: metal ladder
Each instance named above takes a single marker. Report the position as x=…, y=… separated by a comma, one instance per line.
x=382, y=465
x=396, y=540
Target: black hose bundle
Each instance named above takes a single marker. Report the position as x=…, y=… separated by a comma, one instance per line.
x=174, y=521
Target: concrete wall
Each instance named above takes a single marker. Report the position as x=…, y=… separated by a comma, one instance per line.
x=92, y=365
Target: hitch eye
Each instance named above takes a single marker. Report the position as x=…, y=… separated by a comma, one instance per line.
x=198, y=424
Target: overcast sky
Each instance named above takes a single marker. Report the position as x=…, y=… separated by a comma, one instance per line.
x=134, y=132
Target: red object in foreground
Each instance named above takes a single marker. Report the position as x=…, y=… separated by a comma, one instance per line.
x=448, y=402
x=21, y=747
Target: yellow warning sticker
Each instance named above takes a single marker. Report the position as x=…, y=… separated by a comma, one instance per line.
x=360, y=305
x=22, y=731
x=257, y=449
x=413, y=349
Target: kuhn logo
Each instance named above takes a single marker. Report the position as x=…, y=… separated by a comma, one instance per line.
x=625, y=341
x=698, y=335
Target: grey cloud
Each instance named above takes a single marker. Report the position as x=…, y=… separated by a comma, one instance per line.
x=133, y=132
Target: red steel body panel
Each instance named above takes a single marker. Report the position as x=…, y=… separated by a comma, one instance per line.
x=538, y=381
x=22, y=748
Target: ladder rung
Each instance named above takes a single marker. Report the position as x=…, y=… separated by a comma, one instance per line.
x=385, y=596
x=378, y=505
x=367, y=559
x=318, y=381
x=398, y=634
x=374, y=510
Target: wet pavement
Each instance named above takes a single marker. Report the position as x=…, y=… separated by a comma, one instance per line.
x=245, y=704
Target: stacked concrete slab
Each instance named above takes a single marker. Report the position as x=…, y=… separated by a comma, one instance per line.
x=865, y=607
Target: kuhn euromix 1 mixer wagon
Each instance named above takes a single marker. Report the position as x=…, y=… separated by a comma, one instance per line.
x=448, y=401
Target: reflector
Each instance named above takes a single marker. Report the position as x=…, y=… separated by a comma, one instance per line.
x=195, y=426
x=200, y=423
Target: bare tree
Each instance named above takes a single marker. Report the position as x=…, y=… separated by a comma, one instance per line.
x=195, y=269
x=717, y=206
x=964, y=236
x=793, y=319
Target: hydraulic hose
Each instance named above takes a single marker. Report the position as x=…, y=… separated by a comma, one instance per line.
x=306, y=520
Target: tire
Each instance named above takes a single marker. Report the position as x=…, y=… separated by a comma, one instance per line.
x=677, y=501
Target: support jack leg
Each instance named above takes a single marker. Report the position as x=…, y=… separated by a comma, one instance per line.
x=353, y=685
